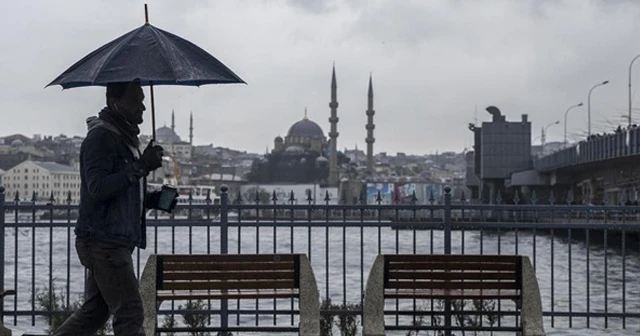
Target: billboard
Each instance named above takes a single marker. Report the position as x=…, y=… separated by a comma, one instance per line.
x=386, y=191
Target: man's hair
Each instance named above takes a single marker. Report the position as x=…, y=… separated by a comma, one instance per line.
x=118, y=89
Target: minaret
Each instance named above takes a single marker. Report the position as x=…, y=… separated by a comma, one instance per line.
x=333, y=135
x=191, y=128
x=173, y=121
x=370, y=127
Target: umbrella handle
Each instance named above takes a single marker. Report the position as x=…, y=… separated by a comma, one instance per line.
x=153, y=113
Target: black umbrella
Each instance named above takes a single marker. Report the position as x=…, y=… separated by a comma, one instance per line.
x=153, y=56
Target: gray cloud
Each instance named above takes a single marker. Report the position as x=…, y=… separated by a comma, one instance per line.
x=432, y=63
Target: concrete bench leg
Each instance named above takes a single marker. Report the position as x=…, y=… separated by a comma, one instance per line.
x=373, y=312
x=531, y=311
x=309, y=301
x=148, y=294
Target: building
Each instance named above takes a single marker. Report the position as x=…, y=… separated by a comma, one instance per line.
x=307, y=155
x=171, y=142
x=501, y=148
x=299, y=157
x=44, y=179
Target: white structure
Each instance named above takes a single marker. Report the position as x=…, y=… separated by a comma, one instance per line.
x=43, y=178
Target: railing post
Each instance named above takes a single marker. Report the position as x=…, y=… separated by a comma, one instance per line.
x=1, y=252
x=224, y=249
x=224, y=219
x=447, y=220
x=447, y=250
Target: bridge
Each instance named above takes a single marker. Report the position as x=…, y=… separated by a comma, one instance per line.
x=602, y=168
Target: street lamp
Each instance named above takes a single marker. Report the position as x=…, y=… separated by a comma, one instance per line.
x=630, y=65
x=544, y=132
x=565, y=121
x=589, y=102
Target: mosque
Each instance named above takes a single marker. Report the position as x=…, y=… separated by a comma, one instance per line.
x=171, y=142
x=306, y=155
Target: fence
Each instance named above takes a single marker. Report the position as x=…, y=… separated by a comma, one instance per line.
x=586, y=257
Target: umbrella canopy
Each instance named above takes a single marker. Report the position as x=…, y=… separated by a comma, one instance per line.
x=154, y=56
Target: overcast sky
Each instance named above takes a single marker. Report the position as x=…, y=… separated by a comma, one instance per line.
x=433, y=62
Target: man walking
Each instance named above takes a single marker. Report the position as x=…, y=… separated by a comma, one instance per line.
x=111, y=221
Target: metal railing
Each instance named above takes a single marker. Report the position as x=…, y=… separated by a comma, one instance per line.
x=597, y=148
x=587, y=258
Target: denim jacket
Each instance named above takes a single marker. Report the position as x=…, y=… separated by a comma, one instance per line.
x=111, y=207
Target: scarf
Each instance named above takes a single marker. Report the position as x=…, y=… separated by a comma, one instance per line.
x=128, y=131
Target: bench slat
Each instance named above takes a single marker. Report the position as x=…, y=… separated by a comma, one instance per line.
x=228, y=258
x=452, y=294
x=451, y=258
x=470, y=266
x=227, y=275
x=279, y=294
x=217, y=266
x=213, y=285
x=440, y=275
x=453, y=285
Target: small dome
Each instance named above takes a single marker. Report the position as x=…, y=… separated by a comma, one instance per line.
x=17, y=143
x=306, y=128
x=294, y=150
x=322, y=159
x=279, y=139
x=167, y=135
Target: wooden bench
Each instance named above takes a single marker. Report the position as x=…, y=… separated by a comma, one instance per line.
x=453, y=277
x=4, y=331
x=224, y=277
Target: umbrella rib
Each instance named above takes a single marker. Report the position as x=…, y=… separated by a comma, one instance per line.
x=114, y=52
x=159, y=37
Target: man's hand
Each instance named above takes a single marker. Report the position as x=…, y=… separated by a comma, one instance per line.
x=152, y=157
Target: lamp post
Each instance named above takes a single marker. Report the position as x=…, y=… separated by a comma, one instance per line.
x=543, y=135
x=589, y=103
x=565, y=121
x=631, y=65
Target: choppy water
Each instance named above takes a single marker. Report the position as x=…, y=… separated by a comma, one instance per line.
x=354, y=249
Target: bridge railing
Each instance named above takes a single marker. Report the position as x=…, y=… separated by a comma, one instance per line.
x=586, y=257
x=597, y=148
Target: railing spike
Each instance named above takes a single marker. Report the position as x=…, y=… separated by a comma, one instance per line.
x=69, y=200
x=431, y=198
x=344, y=197
x=570, y=197
x=552, y=198
x=34, y=197
x=17, y=198
x=379, y=198
x=292, y=197
x=534, y=198
x=309, y=198
x=499, y=198
x=326, y=196
x=257, y=199
x=51, y=198
x=274, y=197
x=414, y=199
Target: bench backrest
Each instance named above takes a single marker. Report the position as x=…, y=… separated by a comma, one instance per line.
x=453, y=272
x=228, y=272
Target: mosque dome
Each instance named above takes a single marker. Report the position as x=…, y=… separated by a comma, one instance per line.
x=17, y=143
x=167, y=135
x=306, y=128
x=294, y=150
